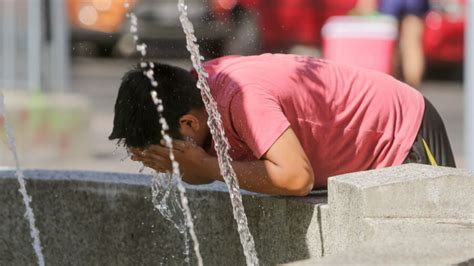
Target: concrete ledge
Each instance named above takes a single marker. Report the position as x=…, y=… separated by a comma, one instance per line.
x=93, y=218
x=410, y=191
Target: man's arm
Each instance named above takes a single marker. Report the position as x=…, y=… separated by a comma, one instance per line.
x=283, y=170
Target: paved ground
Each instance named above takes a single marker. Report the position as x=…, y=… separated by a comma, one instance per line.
x=98, y=79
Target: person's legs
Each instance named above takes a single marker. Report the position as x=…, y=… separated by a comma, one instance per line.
x=393, y=8
x=411, y=49
x=410, y=15
x=433, y=132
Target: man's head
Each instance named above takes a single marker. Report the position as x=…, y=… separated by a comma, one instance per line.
x=136, y=121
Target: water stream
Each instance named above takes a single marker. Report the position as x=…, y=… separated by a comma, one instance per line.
x=30, y=216
x=162, y=204
x=220, y=141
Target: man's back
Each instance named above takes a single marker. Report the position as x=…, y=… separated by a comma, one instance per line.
x=347, y=119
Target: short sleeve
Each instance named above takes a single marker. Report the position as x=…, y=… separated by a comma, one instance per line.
x=257, y=118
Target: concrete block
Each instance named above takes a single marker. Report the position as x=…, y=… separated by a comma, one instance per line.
x=407, y=191
x=412, y=191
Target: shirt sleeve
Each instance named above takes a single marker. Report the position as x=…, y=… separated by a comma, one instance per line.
x=258, y=119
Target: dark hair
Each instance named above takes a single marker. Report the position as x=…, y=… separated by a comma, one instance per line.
x=136, y=120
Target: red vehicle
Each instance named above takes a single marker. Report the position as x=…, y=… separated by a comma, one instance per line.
x=285, y=23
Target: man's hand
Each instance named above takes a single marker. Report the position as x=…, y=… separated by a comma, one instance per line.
x=189, y=156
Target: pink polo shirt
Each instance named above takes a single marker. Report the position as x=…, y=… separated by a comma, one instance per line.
x=347, y=119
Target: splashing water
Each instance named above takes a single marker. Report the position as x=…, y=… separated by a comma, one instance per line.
x=166, y=201
x=168, y=198
x=221, y=144
x=34, y=232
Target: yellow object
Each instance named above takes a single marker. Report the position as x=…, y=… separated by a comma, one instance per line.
x=430, y=155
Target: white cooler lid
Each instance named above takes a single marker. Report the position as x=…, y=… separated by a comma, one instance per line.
x=373, y=27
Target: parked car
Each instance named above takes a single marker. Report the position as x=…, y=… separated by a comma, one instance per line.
x=220, y=25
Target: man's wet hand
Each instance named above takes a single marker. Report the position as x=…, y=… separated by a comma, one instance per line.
x=189, y=156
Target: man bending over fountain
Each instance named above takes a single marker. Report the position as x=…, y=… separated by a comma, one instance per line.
x=292, y=122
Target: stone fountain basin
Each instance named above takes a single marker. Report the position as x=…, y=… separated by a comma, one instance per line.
x=98, y=218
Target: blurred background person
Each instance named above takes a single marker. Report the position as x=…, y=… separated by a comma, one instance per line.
x=410, y=14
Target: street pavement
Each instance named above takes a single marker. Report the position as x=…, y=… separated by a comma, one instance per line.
x=98, y=80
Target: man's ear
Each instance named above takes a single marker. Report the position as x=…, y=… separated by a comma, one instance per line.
x=189, y=124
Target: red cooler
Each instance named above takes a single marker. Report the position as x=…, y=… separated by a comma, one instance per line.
x=368, y=42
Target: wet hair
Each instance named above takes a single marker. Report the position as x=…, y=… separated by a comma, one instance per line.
x=136, y=120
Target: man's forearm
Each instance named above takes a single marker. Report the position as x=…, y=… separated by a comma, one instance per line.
x=260, y=176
